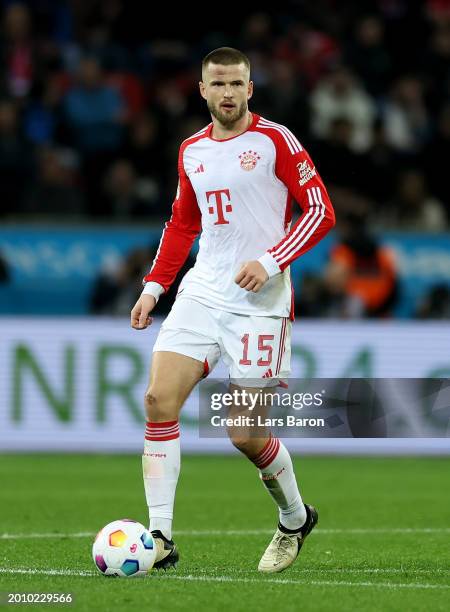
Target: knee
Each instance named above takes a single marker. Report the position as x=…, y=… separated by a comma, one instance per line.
x=159, y=406
x=244, y=443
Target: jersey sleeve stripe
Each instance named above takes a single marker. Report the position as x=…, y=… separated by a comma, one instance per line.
x=294, y=146
x=288, y=132
x=313, y=210
x=288, y=249
x=288, y=135
x=298, y=246
x=274, y=128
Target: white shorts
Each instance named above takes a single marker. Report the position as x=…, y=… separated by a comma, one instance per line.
x=256, y=349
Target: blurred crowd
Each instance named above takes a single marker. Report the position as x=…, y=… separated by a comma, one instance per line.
x=95, y=99
x=96, y=96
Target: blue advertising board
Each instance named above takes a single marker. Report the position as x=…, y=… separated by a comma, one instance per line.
x=53, y=268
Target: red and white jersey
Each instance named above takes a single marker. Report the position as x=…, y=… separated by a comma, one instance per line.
x=238, y=193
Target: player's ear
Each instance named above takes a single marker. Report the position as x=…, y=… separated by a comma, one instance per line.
x=202, y=89
x=250, y=90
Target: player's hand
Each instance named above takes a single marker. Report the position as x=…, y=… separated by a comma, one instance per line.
x=252, y=276
x=140, y=318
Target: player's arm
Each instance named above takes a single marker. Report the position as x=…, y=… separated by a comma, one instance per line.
x=176, y=242
x=296, y=170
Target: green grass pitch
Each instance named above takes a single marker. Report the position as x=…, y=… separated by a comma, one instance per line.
x=382, y=542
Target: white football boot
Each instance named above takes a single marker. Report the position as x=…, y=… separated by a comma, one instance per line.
x=286, y=544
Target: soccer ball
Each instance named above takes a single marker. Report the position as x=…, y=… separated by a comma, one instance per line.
x=124, y=548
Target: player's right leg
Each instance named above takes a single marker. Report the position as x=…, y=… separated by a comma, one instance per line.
x=172, y=378
x=184, y=351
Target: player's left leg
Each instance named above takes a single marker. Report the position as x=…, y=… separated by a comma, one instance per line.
x=269, y=352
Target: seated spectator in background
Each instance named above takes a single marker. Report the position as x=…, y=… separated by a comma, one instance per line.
x=143, y=144
x=15, y=159
x=340, y=96
x=435, y=154
x=379, y=167
x=340, y=166
x=117, y=286
x=361, y=277
x=405, y=115
x=285, y=99
x=42, y=116
x=412, y=208
x=94, y=115
x=55, y=191
x=368, y=55
x=94, y=111
x=143, y=148
x=309, y=49
x=125, y=196
x=435, y=304
x=17, y=50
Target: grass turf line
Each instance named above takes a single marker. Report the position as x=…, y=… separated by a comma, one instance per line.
x=336, y=570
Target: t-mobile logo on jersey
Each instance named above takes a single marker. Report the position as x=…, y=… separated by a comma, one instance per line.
x=220, y=205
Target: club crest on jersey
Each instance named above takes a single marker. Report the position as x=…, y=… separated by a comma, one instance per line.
x=305, y=172
x=249, y=159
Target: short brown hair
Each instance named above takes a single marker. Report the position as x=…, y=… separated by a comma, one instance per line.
x=226, y=56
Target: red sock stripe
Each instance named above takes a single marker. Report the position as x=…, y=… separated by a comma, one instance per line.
x=268, y=453
x=168, y=430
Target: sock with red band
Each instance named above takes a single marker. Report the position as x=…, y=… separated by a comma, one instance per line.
x=277, y=475
x=161, y=468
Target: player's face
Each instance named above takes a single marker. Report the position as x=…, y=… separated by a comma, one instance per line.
x=226, y=90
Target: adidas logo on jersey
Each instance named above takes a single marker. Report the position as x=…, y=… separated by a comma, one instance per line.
x=268, y=374
x=199, y=169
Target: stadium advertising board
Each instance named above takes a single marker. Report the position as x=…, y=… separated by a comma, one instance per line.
x=77, y=384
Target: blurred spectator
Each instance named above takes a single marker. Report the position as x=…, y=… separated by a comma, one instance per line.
x=436, y=64
x=94, y=116
x=339, y=96
x=412, y=208
x=435, y=304
x=339, y=165
x=405, y=115
x=285, y=101
x=378, y=169
x=94, y=111
x=124, y=196
x=120, y=285
x=368, y=55
x=42, y=116
x=17, y=52
x=15, y=159
x=361, y=277
x=55, y=191
x=310, y=51
x=434, y=154
x=143, y=146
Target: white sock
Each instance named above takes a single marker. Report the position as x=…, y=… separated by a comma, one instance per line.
x=161, y=468
x=277, y=475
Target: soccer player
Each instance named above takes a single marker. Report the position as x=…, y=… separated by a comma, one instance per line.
x=238, y=177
